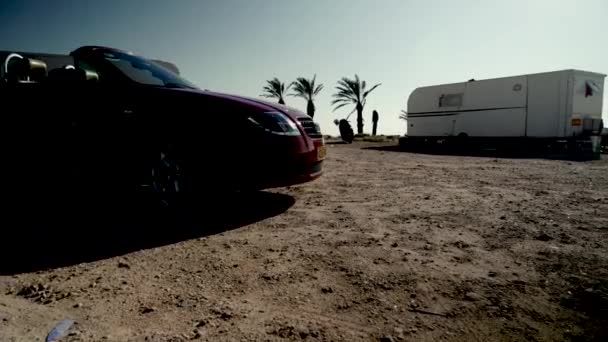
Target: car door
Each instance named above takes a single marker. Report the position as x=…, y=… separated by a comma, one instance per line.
x=104, y=135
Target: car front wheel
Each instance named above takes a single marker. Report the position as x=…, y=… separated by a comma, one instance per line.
x=167, y=179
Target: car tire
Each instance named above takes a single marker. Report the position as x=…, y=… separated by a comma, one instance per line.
x=167, y=181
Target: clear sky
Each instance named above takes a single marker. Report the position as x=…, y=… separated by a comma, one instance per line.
x=235, y=45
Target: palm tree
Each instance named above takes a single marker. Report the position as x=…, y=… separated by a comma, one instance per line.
x=352, y=92
x=307, y=90
x=275, y=89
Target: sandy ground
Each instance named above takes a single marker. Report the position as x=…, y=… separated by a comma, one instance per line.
x=385, y=246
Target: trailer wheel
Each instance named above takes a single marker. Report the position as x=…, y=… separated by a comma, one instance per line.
x=462, y=141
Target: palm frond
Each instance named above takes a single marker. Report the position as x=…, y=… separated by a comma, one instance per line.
x=305, y=88
x=338, y=101
x=351, y=86
x=351, y=91
x=351, y=113
x=369, y=91
x=340, y=106
x=274, y=88
x=346, y=93
x=285, y=89
x=318, y=89
x=346, y=97
x=298, y=90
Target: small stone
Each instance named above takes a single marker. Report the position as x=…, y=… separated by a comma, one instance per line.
x=395, y=244
x=472, y=296
x=4, y=317
x=196, y=334
x=123, y=264
x=492, y=274
x=387, y=338
x=327, y=289
x=146, y=310
x=77, y=305
x=503, y=217
x=544, y=237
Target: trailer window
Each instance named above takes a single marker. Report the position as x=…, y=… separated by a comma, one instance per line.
x=450, y=100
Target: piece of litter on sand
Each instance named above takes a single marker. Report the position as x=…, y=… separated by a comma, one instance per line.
x=59, y=330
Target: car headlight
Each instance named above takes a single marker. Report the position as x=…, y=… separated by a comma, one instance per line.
x=275, y=122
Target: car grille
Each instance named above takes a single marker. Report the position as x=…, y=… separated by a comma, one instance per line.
x=310, y=127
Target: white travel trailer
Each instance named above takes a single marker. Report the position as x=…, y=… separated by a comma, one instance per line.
x=559, y=106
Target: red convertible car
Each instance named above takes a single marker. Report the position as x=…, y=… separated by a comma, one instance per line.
x=102, y=119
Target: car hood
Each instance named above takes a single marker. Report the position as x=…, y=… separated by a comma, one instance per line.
x=265, y=105
x=261, y=105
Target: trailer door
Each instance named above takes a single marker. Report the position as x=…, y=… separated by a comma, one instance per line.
x=543, y=105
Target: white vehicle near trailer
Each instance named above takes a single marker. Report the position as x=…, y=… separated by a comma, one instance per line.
x=558, y=108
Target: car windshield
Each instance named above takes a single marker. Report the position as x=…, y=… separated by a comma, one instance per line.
x=145, y=72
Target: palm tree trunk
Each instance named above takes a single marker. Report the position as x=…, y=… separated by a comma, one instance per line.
x=374, y=128
x=359, y=118
x=281, y=101
x=310, y=109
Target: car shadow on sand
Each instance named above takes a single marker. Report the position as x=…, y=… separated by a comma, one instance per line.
x=88, y=230
x=483, y=152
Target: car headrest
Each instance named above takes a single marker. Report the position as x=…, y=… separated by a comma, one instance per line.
x=67, y=75
x=36, y=69
x=91, y=76
x=20, y=69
